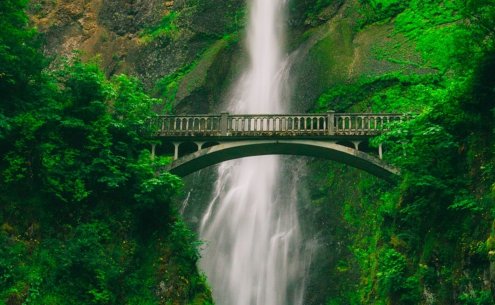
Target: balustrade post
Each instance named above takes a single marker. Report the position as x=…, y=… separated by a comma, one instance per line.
x=331, y=122
x=176, y=150
x=224, y=123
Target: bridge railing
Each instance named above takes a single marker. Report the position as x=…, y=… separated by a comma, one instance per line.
x=363, y=123
x=225, y=124
x=186, y=125
x=283, y=125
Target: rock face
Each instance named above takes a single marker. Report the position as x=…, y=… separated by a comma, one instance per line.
x=338, y=52
x=129, y=17
x=149, y=39
x=196, y=45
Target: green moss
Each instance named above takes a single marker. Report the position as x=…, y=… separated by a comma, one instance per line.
x=180, y=84
x=388, y=92
x=167, y=28
x=374, y=11
x=333, y=54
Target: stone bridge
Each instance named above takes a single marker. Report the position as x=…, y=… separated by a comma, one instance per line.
x=198, y=141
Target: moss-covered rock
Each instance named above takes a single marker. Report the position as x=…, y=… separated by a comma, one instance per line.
x=339, y=52
x=149, y=39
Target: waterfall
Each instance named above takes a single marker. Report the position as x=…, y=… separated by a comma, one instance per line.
x=253, y=246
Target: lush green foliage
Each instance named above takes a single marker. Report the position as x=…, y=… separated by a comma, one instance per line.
x=20, y=60
x=85, y=215
x=86, y=219
x=430, y=240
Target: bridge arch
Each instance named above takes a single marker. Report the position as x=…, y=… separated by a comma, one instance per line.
x=321, y=149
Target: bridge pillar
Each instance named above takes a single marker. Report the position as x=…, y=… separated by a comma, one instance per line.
x=199, y=144
x=380, y=151
x=176, y=150
x=153, y=149
x=224, y=124
x=331, y=122
x=356, y=144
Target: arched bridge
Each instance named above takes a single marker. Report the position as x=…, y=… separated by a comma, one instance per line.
x=198, y=141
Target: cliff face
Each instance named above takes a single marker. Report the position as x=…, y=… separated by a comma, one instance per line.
x=148, y=39
x=338, y=50
x=191, y=48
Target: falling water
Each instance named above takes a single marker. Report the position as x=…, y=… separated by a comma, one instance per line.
x=253, y=252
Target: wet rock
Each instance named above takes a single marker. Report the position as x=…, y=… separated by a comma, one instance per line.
x=123, y=17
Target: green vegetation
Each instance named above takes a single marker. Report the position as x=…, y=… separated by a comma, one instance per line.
x=85, y=217
x=430, y=240
x=190, y=77
x=391, y=92
x=212, y=29
x=168, y=86
x=167, y=28
x=311, y=12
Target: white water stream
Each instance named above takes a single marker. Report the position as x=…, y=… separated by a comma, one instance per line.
x=253, y=253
